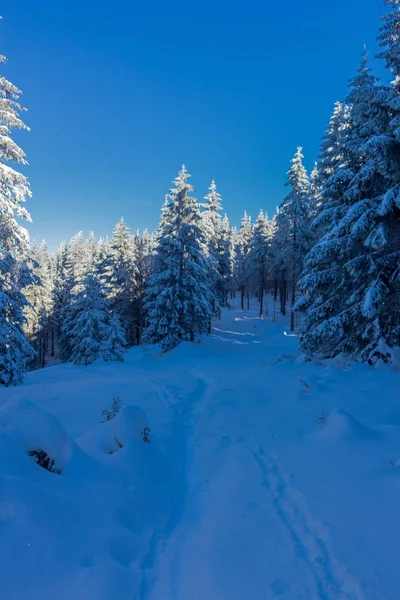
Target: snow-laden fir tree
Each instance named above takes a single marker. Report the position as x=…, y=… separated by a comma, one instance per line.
x=258, y=264
x=215, y=232
x=91, y=250
x=39, y=313
x=226, y=262
x=242, y=249
x=293, y=235
x=102, y=263
x=332, y=174
x=178, y=301
x=114, y=343
x=15, y=351
x=91, y=331
x=143, y=248
x=343, y=271
x=120, y=277
x=61, y=297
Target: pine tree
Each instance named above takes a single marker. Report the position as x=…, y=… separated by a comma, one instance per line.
x=226, y=261
x=178, y=300
x=120, y=277
x=242, y=250
x=258, y=263
x=92, y=333
x=343, y=272
x=293, y=225
x=143, y=247
x=114, y=343
x=40, y=308
x=212, y=226
x=15, y=351
x=61, y=299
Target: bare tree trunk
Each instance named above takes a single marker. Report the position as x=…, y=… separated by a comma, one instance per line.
x=242, y=290
x=283, y=294
x=293, y=301
x=262, y=285
x=52, y=340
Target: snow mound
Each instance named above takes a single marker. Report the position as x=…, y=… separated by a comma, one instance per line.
x=23, y=425
x=342, y=425
x=130, y=424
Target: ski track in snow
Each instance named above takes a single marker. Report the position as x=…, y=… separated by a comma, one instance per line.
x=171, y=395
x=309, y=538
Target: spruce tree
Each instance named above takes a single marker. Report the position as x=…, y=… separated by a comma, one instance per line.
x=212, y=226
x=120, y=277
x=258, y=258
x=143, y=247
x=344, y=278
x=40, y=297
x=91, y=331
x=243, y=246
x=293, y=225
x=15, y=351
x=178, y=301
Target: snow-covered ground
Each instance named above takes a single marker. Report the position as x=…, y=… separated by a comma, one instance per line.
x=240, y=494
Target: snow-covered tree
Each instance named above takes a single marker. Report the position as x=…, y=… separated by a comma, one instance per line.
x=40, y=310
x=242, y=249
x=61, y=297
x=218, y=244
x=179, y=301
x=293, y=226
x=226, y=262
x=344, y=276
x=258, y=258
x=92, y=333
x=114, y=343
x=15, y=351
x=143, y=248
x=120, y=277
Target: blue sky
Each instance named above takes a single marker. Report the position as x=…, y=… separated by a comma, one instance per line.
x=120, y=94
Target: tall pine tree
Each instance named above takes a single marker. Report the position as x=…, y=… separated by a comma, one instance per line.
x=178, y=300
x=15, y=351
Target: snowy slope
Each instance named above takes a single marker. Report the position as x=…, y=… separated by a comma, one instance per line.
x=241, y=494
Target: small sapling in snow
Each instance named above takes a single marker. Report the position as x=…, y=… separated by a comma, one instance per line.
x=146, y=435
x=111, y=413
x=305, y=387
x=321, y=420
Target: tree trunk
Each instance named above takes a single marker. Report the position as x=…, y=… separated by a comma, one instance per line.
x=242, y=290
x=52, y=340
x=283, y=294
x=293, y=301
x=293, y=280
x=262, y=285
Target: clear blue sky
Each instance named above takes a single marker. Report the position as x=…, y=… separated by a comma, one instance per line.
x=121, y=93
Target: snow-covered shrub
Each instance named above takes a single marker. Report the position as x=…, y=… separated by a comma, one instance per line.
x=131, y=425
x=36, y=432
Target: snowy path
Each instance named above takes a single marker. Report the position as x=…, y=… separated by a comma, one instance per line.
x=241, y=494
x=242, y=519
x=244, y=531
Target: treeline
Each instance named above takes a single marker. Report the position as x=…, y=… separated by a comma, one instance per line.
x=330, y=255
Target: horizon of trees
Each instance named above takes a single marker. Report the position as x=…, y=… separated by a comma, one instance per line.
x=330, y=255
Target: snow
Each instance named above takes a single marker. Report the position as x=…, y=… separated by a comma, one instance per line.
x=242, y=493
